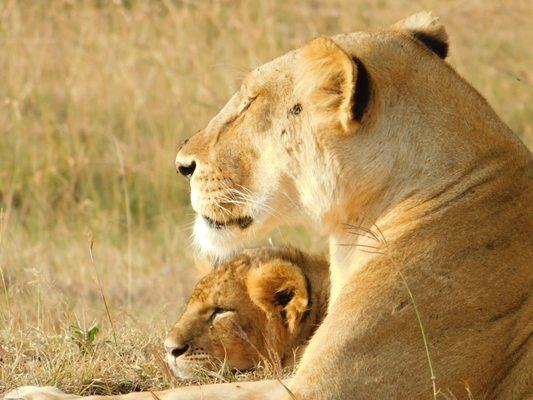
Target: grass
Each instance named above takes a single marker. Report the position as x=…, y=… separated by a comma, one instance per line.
x=95, y=97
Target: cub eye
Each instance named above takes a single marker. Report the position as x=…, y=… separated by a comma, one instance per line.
x=296, y=109
x=218, y=311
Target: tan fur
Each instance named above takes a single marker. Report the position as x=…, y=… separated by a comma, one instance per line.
x=272, y=279
x=431, y=191
x=251, y=326
x=326, y=76
x=425, y=22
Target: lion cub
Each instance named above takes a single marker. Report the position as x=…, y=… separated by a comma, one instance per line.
x=263, y=304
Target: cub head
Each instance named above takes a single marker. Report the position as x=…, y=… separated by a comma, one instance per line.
x=260, y=305
x=302, y=133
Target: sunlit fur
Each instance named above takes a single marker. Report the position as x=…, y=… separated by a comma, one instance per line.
x=429, y=188
x=250, y=325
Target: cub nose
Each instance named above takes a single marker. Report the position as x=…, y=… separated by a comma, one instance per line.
x=186, y=169
x=177, y=351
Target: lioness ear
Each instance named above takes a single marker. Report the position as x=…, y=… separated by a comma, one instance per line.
x=427, y=28
x=327, y=78
x=279, y=288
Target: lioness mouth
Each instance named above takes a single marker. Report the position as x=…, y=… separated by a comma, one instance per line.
x=241, y=222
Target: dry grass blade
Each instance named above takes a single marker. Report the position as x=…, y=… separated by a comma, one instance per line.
x=289, y=392
x=424, y=337
x=127, y=209
x=2, y=276
x=100, y=287
x=163, y=366
x=155, y=396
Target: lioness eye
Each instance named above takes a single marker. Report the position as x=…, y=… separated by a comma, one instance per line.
x=247, y=104
x=296, y=109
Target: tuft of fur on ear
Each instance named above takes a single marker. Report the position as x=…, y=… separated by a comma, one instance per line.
x=427, y=28
x=279, y=288
x=326, y=78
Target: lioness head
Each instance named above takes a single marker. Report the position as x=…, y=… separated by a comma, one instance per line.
x=300, y=138
x=260, y=305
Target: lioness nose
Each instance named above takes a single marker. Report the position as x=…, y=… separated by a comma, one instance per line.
x=186, y=169
x=177, y=351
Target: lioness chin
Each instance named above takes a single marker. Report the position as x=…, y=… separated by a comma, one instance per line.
x=375, y=140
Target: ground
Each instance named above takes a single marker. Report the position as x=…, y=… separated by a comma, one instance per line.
x=95, y=98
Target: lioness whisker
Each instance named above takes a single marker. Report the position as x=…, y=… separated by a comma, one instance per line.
x=357, y=245
x=364, y=229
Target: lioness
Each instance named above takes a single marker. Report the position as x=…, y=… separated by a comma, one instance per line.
x=263, y=304
x=423, y=190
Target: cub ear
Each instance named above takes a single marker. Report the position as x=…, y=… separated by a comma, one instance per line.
x=332, y=83
x=427, y=28
x=279, y=288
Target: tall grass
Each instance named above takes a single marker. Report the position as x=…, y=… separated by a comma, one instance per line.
x=94, y=98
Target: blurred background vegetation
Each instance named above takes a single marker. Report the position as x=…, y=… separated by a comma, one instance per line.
x=95, y=97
